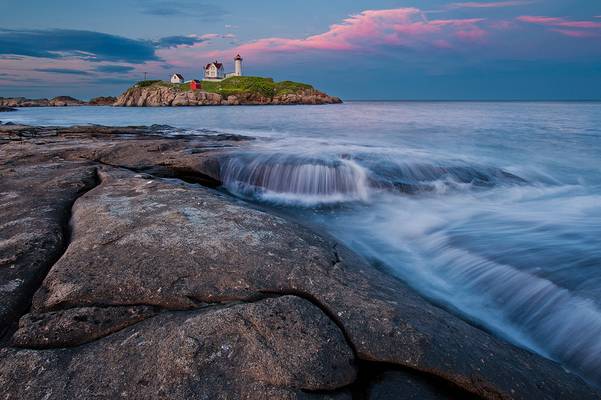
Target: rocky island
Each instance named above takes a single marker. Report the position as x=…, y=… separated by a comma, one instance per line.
x=124, y=273
x=238, y=90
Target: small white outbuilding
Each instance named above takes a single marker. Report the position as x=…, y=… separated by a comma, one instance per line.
x=177, y=78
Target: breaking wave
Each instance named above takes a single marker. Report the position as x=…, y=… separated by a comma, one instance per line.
x=521, y=261
x=291, y=179
x=326, y=179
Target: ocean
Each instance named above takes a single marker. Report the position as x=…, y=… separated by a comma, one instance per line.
x=490, y=210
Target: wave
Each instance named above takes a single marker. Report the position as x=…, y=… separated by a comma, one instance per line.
x=293, y=179
x=419, y=176
x=529, y=309
x=326, y=179
x=520, y=261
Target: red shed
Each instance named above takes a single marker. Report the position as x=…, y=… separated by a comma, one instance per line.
x=195, y=85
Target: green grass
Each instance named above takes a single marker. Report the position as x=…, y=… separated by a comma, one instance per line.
x=147, y=83
x=287, y=87
x=238, y=85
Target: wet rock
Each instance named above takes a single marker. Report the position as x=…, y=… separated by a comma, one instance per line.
x=7, y=109
x=382, y=383
x=275, y=348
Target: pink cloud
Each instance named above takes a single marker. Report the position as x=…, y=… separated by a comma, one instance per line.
x=208, y=36
x=363, y=32
x=576, y=34
x=494, y=4
x=559, y=22
x=456, y=22
x=473, y=34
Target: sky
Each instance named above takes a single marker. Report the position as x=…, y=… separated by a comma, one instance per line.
x=370, y=50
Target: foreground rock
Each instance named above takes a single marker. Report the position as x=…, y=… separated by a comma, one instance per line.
x=76, y=326
x=158, y=96
x=36, y=206
x=171, y=290
x=275, y=348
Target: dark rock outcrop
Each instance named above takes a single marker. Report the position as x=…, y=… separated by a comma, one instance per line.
x=172, y=290
x=385, y=382
x=102, y=101
x=62, y=101
x=160, y=96
x=7, y=109
x=59, y=101
x=23, y=102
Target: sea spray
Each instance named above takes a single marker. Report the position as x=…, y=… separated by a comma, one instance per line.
x=519, y=261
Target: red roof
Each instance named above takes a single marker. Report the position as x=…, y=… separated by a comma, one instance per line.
x=238, y=57
x=218, y=65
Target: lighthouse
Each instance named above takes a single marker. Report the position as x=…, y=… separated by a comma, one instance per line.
x=238, y=65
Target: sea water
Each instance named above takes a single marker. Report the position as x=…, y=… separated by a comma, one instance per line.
x=491, y=210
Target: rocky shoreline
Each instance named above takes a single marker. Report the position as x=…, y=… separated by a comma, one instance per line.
x=158, y=96
x=125, y=274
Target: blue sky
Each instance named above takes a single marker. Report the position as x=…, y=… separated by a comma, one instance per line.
x=429, y=49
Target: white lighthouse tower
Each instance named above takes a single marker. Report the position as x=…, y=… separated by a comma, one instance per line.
x=238, y=65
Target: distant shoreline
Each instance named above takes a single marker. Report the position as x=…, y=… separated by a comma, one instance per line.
x=467, y=101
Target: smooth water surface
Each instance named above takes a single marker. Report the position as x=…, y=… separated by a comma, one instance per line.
x=490, y=209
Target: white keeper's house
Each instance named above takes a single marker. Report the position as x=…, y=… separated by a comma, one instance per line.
x=214, y=71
